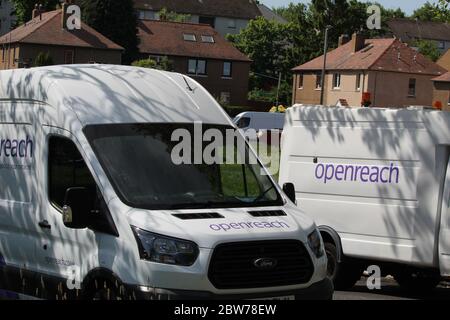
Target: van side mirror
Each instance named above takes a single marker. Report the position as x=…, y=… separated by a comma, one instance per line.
x=289, y=190
x=78, y=204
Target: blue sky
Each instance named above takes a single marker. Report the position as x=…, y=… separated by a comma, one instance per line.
x=406, y=5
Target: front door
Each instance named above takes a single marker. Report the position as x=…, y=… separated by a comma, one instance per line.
x=444, y=233
x=62, y=253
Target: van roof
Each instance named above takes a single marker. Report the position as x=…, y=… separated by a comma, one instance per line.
x=101, y=94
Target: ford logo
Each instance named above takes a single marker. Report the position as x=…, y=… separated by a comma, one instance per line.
x=265, y=263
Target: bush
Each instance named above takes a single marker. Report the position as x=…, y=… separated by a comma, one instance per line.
x=43, y=59
x=163, y=64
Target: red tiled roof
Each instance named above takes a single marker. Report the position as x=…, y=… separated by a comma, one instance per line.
x=240, y=9
x=166, y=38
x=378, y=54
x=49, y=31
x=444, y=78
x=410, y=29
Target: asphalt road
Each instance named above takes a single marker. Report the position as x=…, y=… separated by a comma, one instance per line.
x=391, y=291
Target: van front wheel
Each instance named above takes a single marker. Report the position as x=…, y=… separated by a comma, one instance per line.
x=343, y=274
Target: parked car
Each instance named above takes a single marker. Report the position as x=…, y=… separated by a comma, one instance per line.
x=264, y=123
x=377, y=181
x=92, y=204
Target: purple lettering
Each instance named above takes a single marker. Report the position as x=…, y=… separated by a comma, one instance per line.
x=339, y=172
x=393, y=170
x=365, y=171
x=329, y=172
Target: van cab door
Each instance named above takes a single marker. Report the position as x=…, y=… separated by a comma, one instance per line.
x=444, y=232
x=62, y=253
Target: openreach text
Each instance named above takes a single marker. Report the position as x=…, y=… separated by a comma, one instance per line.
x=357, y=173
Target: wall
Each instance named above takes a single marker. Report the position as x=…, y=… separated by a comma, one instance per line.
x=26, y=53
x=308, y=94
x=347, y=90
x=441, y=92
x=215, y=83
x=444, y=61
x=390, y=89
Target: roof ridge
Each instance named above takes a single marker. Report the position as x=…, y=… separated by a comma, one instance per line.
x=177, y=22
x=393, y=40
x=54, y=12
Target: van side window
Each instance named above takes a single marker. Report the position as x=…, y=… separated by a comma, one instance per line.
x=243, y=122
x=67, y=169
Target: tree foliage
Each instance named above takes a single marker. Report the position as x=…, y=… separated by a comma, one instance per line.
x=428, y=49
x=436, y=12
x=162, y=64
x=24, y=8
x=117, y=20
x=43, y=59
x=166, y=15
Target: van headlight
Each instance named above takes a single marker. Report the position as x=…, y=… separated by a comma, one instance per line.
x=167, y=250
x=315, y=243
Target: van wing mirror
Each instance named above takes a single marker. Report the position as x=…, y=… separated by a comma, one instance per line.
x=78, y=204
x=289, y=190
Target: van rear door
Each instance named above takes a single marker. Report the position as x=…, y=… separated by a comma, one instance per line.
x=444, y=233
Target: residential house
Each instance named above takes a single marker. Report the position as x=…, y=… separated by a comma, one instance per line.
x=386, y=72
x=444, y=60
x=225, y=16
x=410, y=30
x=7, y=19
x=441, y=91
x=47, y=32
x=200, y=52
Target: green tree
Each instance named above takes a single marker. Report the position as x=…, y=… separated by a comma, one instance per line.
x=116, y=20
x=24, y=8
x=437, y=12
x=428, y=49
x=43, y=59
x=166, y=15
x=162, y=64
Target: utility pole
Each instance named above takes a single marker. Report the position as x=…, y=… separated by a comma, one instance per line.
x=278, y=89
x=325, y=51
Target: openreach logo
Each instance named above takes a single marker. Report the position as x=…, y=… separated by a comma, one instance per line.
x=16, y=148
x=216, y=146
x=357, y=173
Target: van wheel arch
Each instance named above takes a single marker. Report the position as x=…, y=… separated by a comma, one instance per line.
x=329, y=235
x=98, y=277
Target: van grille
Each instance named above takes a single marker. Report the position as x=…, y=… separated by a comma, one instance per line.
x=267, y=213
x=233, y=264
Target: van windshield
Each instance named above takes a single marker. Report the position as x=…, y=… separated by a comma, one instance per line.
x=142, y=162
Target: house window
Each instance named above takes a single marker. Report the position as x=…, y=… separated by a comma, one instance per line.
x=208, y=39
x=318, y=81
x=68, y=57
x=412, y=87
x=358, y=82
x=189, y=37
x=441, y=44
x=336, y=80
x=300, y=81
x=207, y=20
x=197, y=67
x=227, y=66
x=232, y=23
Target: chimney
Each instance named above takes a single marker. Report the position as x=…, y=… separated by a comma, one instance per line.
x=37, y=11
x=64, y=15
x=358, y=42
x=343, y=39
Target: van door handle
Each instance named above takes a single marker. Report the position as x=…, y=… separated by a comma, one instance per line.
x=45, y=225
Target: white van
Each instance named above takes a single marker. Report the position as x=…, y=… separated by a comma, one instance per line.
x=377, y=182
x=260, y=121
x=92, y=205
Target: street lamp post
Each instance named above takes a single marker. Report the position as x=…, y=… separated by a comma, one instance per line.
x=325, y=50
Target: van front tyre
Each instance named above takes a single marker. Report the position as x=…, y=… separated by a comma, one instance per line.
x=104, y=290
x=344, y=275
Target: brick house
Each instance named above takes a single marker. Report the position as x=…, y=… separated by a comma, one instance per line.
x=387, y=72
x=410, y=30
x=441, y=91
x=200, y=52
x=47, y=32
x=226, y=16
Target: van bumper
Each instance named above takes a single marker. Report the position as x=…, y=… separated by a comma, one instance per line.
x=322, y=290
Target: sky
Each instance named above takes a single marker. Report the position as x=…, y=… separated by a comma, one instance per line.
x=406, y=5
